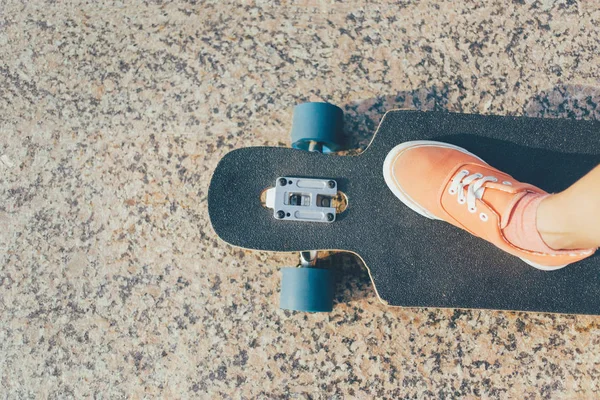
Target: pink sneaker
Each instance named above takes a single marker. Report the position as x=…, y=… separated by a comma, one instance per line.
x=443, y=181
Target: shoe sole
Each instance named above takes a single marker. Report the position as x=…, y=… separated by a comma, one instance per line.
x=413, y=205
x=542, y=267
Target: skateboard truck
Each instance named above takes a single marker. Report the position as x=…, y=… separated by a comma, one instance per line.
x=316, y=127
x=303, y=199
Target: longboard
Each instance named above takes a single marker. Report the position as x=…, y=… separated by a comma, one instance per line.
x=414, y=261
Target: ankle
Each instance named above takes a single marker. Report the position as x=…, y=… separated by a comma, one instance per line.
x=552, y=225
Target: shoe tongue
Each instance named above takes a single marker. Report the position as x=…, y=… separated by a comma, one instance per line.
x=502, y=202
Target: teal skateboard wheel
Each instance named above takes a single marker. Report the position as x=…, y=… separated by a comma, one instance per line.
x=317, y=127
x=307, y=289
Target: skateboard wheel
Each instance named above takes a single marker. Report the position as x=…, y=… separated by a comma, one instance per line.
x=307, y=289
x=320, y=124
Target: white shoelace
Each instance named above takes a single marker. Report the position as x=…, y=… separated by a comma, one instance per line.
x=474, y=191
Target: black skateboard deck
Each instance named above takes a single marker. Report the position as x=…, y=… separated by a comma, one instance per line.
x=414, y=261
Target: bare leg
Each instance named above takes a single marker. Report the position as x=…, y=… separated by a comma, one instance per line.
x=571, y=219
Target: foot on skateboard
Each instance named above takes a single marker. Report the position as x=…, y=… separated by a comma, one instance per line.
x=446, y=182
